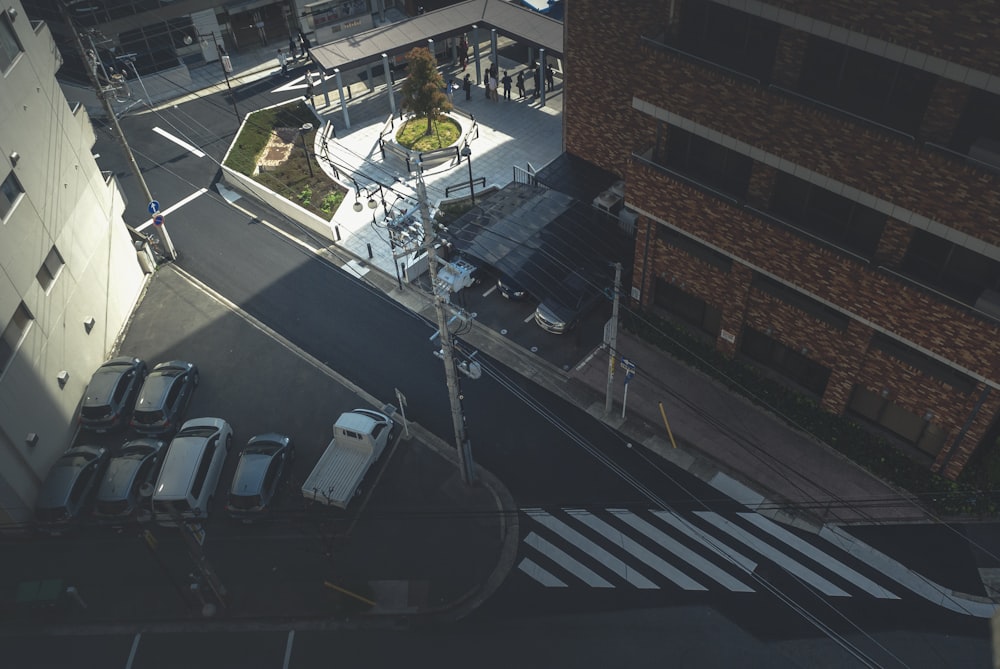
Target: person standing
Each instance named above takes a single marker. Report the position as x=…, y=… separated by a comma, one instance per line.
x=283, y=62
x=538, y=82
x=304, y=43
x=467, y=85
x=550, y=78
x=493, y=89
x=520, y=84
x=463, y=52
x=309, y=86
x=291, y=47
x=506, y=84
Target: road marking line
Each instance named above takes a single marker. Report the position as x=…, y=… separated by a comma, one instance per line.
x=179, y=142
x=715, y=545
x=175, y=207
x=721, y=576
x=586, y=361
x=288, y=649
x=537, y=572
x=594, y=551
x=490, y=291
x=530, y=316
x=788, y=564
x=565, y=561
x=819, y=556
x=135, y=647
x=649, y=558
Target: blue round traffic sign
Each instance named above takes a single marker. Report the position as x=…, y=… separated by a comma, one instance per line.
x=158, y=219
x=153, y=206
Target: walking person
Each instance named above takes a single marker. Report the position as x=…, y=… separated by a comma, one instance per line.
x=463, y=52
x=520, y=84
x=304, y=43
x=493, y=89
x=467, y=85
x=538, y=82
x=506, y=84
x=309, y=86
x=283, y=62
x=550, y=77
x=291, y=47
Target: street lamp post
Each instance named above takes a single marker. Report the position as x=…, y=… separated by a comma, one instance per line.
x=303, y=131
x=467, y=152
x=227, y=67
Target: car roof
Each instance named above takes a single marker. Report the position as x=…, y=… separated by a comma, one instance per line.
x=356, y=421
x=63, y=474
x=249, y=477
x=102, y=383
x=180, y=465
x=117, y=480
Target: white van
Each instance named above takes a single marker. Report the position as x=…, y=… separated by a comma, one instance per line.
x=191, y=470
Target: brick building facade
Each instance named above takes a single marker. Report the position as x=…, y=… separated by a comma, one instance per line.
x=818, y=188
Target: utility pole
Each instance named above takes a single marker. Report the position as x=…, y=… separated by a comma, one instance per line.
x=613, y=340
x=447, y=345
x=161, y=230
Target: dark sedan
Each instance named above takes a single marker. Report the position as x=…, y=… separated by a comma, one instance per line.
x=111, y=393
x=120, y=492
x=258, y=475
x=164, y=397
x=70, y=485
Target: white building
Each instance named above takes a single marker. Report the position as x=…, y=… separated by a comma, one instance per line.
x=69, y=276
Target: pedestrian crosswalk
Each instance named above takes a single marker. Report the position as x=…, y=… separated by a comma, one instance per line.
x=696, y=552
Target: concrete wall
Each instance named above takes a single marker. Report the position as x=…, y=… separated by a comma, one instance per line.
x=67, y=203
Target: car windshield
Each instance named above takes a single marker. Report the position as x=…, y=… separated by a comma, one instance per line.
x=95, y=412
x=112, y=508
x=198, y=431
x=147, y=416
x=76, y=460
x=261, y=449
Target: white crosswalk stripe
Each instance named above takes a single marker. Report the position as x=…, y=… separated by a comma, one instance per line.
x=540, y=574
x=713, y=544
x=683, y=552
x=804, y=547
x=788, y=564
x=565, y=561
x=648, y=557
x=595, y=551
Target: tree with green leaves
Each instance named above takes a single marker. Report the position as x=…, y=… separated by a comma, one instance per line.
x=423, y=89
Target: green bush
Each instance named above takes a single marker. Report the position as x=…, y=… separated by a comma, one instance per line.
x=256, y=131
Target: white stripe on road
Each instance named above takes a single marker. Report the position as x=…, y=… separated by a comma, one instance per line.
x=490, y=291
x=530, y=316
x=175, y=207
x=179, y=142
x=135, y=647
x=537, y=572
x=819, y=556
x=288, y=649
x=714, y=545
x=565, y=561
x=683, y=552
x=773, y=554
x=593, y=550
x=649, y=558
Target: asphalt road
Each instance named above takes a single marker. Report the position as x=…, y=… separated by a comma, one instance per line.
x=546, y=460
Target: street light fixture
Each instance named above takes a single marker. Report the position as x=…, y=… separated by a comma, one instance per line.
x=303, y=131
x=467, y=152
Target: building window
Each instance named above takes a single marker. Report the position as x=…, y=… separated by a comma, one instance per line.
x=924, y=363
x=950, y=268
x=825, y=214
x=690, y=309
x=50, y=269
x=10, y=193
x=864, y=84
x=694, y=248
x=734, y=39
x=786, y=361
x=802, y=302
x=13, y=334
x=902, y=423
x=10, y=47
x=704, y=161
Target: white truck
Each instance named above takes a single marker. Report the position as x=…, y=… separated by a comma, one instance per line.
x=359, y=437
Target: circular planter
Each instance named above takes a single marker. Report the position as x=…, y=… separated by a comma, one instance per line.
x=438, y=156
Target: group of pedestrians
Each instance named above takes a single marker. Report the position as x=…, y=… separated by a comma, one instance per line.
x=492, y=84
x=298, y=43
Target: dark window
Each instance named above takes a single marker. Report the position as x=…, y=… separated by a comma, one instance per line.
x=949, y=268
x=203, y=467
x=690, y=309
x=10, y=46
x=50, y=269
x=926, y=364
x=826, y=215
x=271, y=477
x=76, y=492
x=13, y=334
x=704, y=161
x=729, y=37
x=787, y=362
x=978, y=123
x=914, y=429
x=10, y=193
x=802, y=302
x=694, y=248
x=377, y=430
x=122, y=387
x=864, y=84
x=173, y=394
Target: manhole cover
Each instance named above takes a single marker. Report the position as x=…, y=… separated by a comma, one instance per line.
x=504, y=332
x=534, y=349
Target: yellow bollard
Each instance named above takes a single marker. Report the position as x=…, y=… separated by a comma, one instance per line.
x=669, y=433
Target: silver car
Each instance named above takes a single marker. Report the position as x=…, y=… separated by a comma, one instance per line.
x=120, y=492
x=70, y=484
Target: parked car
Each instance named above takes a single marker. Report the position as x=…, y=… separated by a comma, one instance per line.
x=111, y=393
x=511, y=289
x=70, y=484
x=164, y=397
x=120, y=492
x=560, y=313
x=263, y=463
x=191, y=470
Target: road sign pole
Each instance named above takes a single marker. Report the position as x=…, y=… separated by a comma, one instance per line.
x=624, y=399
